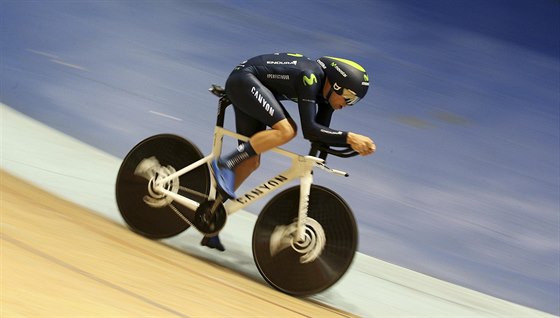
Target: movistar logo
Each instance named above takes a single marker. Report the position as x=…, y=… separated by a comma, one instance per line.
x=309, y=81
x=366, y=80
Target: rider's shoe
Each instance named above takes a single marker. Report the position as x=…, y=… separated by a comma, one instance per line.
x=213, y=242
x=225, y=178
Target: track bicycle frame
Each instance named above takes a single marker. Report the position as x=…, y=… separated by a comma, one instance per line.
x=301, y=167
x=304, y=239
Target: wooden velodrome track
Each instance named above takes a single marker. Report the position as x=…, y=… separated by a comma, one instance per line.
x=59, y=259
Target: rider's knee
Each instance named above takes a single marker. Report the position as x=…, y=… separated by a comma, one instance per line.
x=294, y=127
x=289, y=134
x=287, y=129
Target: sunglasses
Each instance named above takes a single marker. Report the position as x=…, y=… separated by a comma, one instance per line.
x=349, y=97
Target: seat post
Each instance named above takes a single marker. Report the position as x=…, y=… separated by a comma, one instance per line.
x=222, y=105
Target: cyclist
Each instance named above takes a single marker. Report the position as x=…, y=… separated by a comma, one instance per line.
x=255, y=88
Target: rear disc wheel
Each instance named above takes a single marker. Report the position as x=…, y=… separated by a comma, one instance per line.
x=147, y=212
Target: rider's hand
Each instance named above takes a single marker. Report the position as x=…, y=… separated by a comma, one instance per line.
x=361, y=144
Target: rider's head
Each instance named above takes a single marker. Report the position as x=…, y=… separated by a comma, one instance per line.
x=347, y=78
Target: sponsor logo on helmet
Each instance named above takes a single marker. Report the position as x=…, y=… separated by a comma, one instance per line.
x=366, y=80
x=321, y=64
x=309, y=81
x=333, y=64
x=336, y=87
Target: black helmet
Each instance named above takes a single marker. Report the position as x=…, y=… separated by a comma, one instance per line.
x=347, y=78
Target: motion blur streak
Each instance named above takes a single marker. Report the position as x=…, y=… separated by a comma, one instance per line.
x=465, y=185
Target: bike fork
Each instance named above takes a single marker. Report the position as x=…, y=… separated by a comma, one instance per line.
x=305, y=188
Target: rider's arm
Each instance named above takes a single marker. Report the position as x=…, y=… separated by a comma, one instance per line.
x=315, y=124
x=314, y=131
x=324, y=114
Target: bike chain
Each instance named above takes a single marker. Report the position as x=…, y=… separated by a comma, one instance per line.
x=194, y=192
x=180, y=215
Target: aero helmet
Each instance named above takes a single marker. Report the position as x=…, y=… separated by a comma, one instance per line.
x=347, y=78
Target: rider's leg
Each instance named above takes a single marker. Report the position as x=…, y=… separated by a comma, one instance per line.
x=262, y=142
x=256, y=108
x=247, y=95
x=244, y=169
x=281, y=132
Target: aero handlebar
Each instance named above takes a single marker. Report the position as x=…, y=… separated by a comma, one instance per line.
x=323, y=150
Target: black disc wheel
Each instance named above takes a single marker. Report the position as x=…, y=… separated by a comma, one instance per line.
x=146, y=211
x=304, y=267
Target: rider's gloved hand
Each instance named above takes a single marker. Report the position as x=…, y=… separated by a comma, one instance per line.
x=361, y=144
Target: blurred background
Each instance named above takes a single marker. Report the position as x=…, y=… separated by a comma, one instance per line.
x=464, y=108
